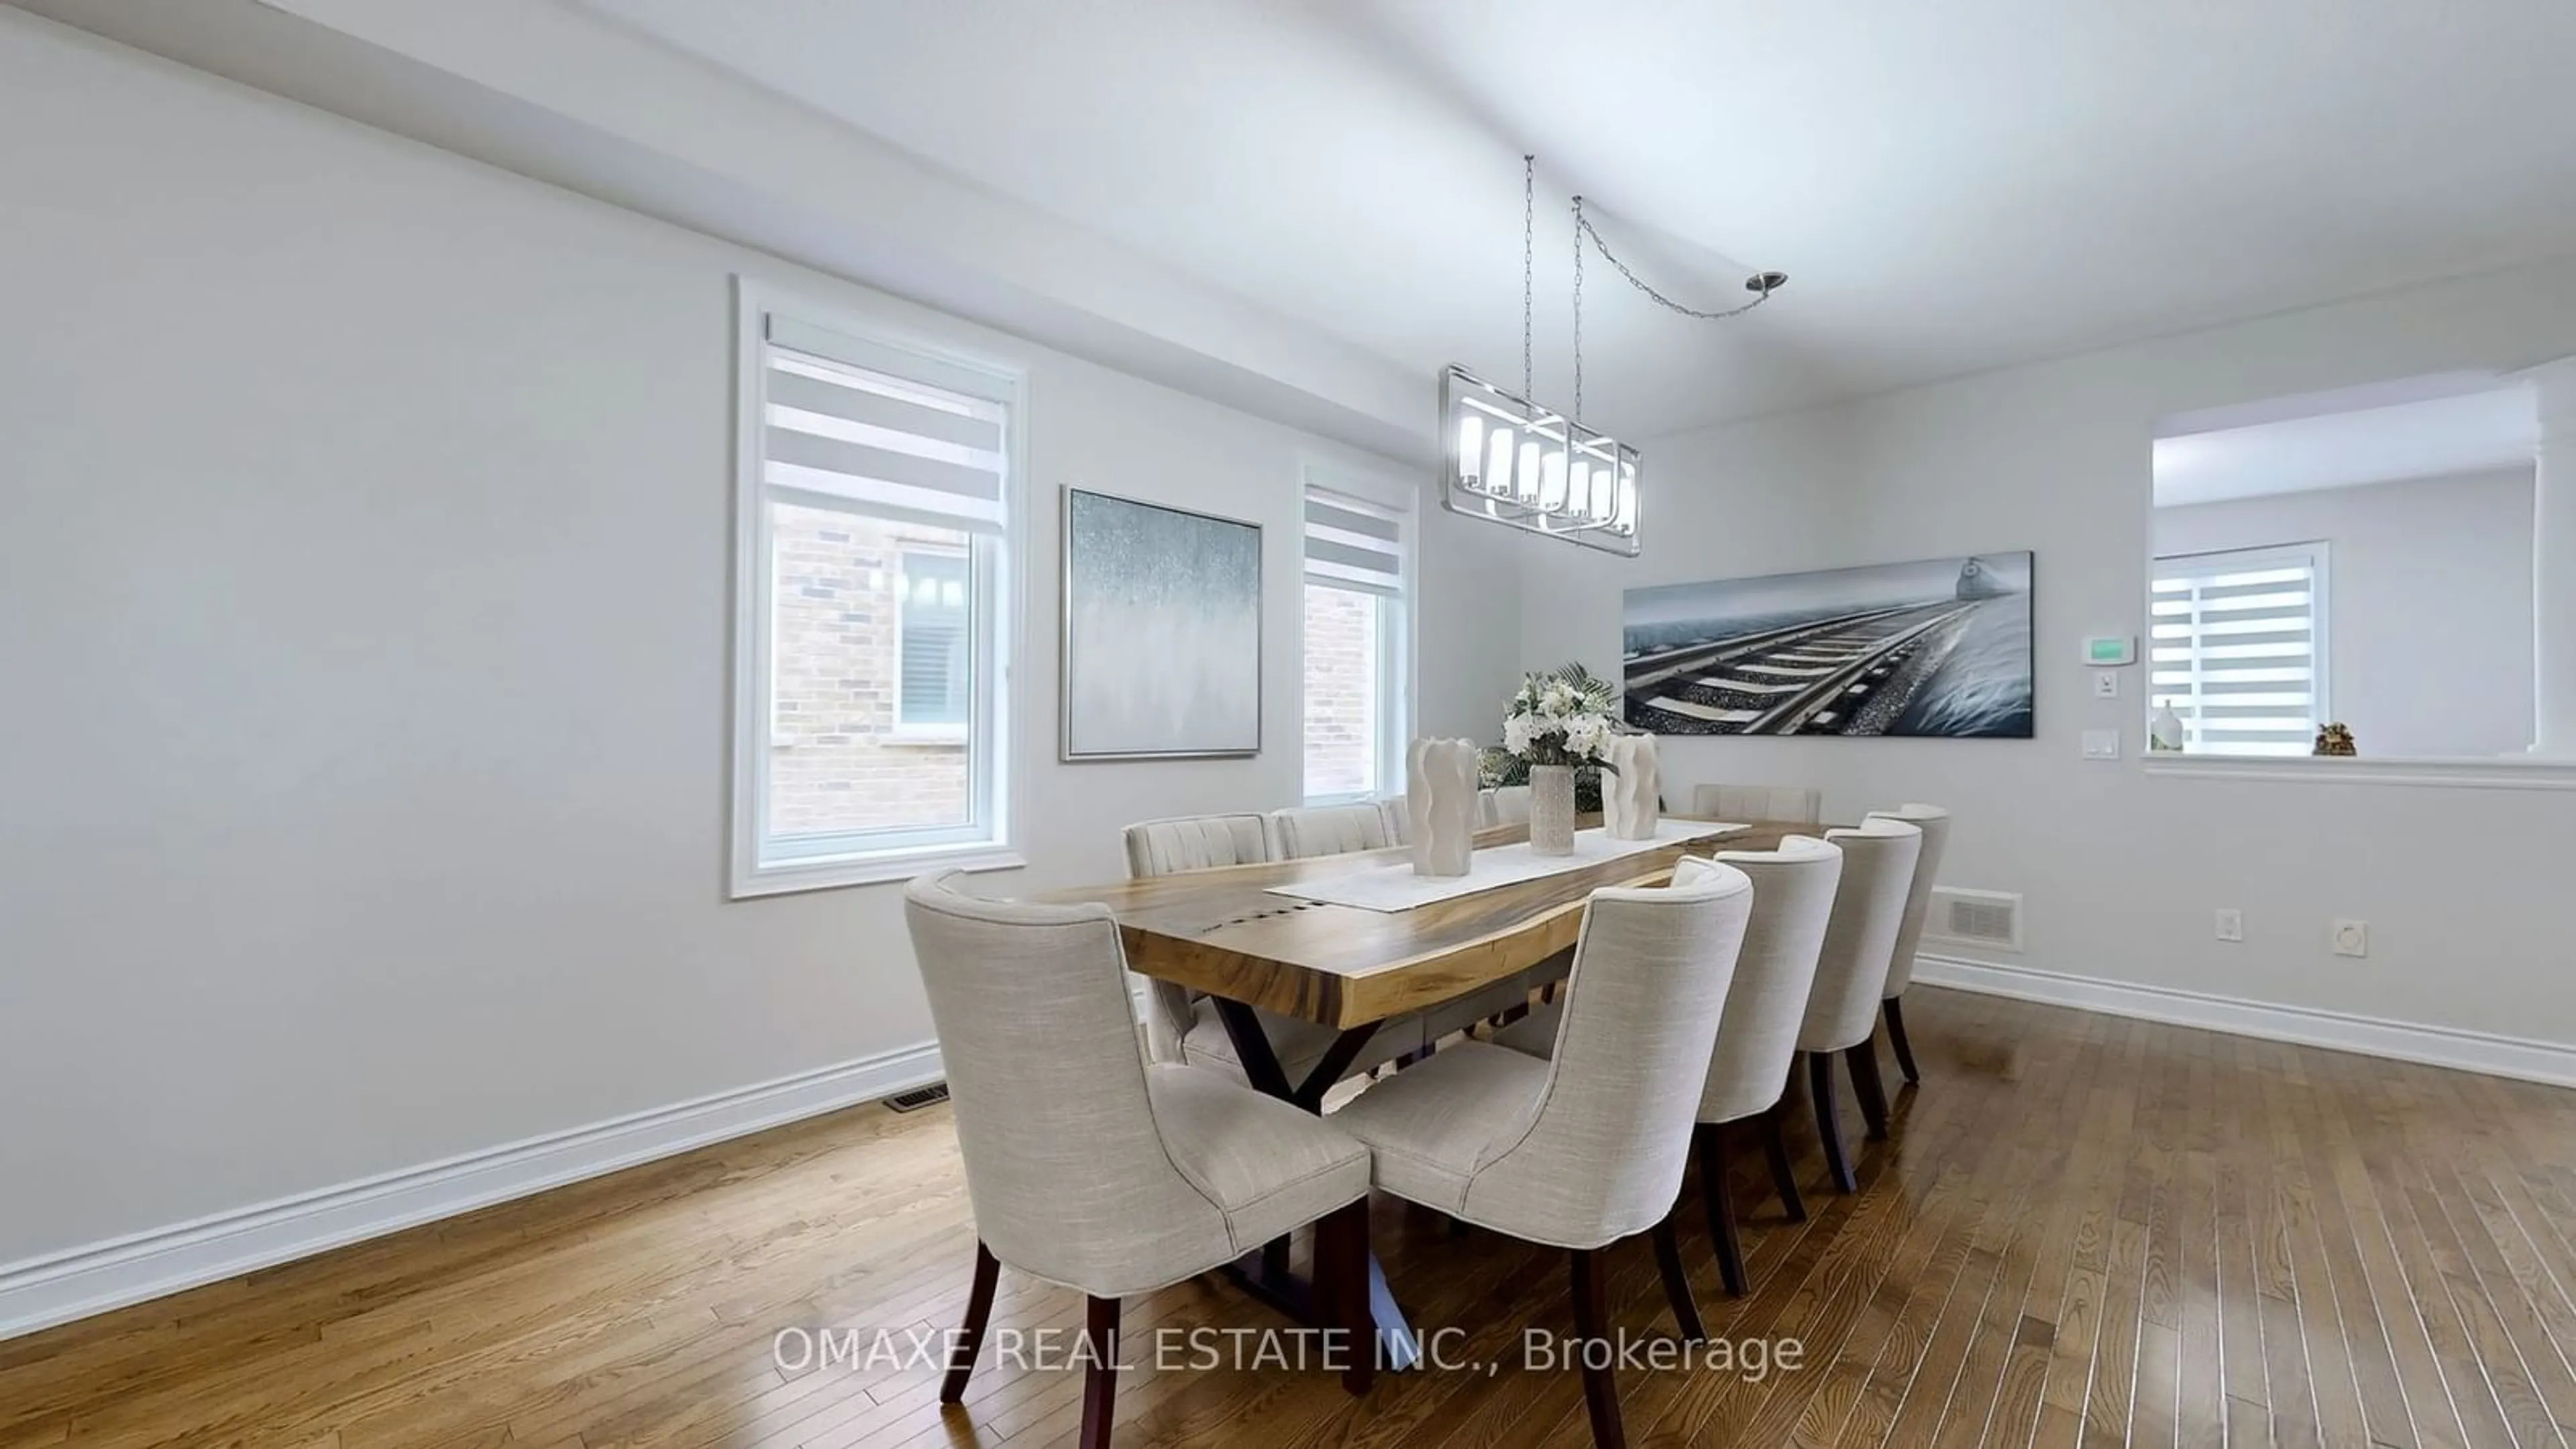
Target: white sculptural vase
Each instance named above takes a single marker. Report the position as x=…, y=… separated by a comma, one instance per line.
x=1551, y=810
x=1440, y=800
x=1629, y=786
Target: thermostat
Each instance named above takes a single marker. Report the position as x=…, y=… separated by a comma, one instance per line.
x=2111, y=649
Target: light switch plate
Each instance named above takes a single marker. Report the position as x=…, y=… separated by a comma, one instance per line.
x=2231, y=924
x=2101, y=744
x=2106, y=684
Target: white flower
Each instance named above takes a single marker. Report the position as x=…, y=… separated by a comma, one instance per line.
x=1516, y=734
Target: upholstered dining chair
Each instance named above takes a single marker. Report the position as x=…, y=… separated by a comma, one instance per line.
x=1181, y=1026
x=1757, y=1038
x=1093, y=1170
x=1305, y=831
x=1934, y=822
x=1785, y=803
x=1586, y=1146
x=1842, y=1009
x=1507, y=805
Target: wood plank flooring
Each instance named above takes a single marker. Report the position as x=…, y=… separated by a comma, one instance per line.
x=2087, y=1231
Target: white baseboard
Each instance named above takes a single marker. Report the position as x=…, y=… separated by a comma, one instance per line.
x=2440, y=1046
x=41, y=1292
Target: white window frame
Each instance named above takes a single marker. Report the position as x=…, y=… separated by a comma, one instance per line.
x=2315, y=556
x=865, y=857
x=1395, y=626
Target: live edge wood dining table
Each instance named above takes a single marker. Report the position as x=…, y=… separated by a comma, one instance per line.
x=1223, y=933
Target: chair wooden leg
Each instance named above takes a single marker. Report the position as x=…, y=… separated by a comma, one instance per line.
x=1894, y=1008
x=1341, y=1283
x=1591, y=1327
x=1677, y=1290
x=1715, y=1145
x=1867, y=1087
x=970, y=1334
x=1775, y=1145
x=1100, y=1375
x=1829, y=1128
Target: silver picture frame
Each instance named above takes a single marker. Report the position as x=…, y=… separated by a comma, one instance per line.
x=1190, y=643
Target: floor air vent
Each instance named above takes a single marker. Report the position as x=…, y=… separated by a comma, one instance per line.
x=1991, y=919
x=919, y=1097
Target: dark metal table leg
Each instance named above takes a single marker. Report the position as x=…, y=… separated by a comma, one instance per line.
x=1264, y=1272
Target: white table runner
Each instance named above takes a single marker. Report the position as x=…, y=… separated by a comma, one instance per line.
x=1397, y=888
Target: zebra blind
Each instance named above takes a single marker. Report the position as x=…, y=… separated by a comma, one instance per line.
x=840, y=423
x=1353, y=544
x=2238, y=648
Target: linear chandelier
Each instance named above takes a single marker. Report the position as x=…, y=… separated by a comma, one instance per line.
x=1509, y=460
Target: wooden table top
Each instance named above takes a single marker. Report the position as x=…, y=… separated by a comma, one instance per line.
x=1223, y=932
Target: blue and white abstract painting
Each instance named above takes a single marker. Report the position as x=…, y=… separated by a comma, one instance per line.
x=1162, y=631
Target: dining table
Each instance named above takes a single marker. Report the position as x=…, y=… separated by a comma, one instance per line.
x=1235, y=935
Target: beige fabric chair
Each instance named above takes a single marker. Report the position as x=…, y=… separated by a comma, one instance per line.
x=1747, y=803
x=1757, y=1039
x=1089, y=1168
x=1586, y=1146
x=1842, y=1011
x=1182, y=1027
x=1934, y=822
x=1398, y=815
x=1507, y=805
x=1306, y=831
x=1195, y=842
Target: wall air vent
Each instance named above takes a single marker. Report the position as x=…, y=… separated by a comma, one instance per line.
x=1987, y=919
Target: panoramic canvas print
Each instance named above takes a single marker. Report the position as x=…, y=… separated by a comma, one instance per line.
x=1939, y=647
x=1162, y=631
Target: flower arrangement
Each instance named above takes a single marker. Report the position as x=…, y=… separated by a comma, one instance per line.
x=1561, y=718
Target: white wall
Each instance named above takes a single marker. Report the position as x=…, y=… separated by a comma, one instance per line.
x=2122, y=869
x=364, y=608
x=2428, y=628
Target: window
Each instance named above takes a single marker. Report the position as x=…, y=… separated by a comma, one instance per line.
x=1354, y=646
x=874, y=510
x=2238, y=648
x=930, y=595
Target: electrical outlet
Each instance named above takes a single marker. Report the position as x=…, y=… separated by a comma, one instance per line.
x=2231, y=924
x=2352, y=938
x=2106, y=684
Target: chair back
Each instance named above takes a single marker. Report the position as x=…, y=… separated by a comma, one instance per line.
x=1775, y=973
x=1068, y=1177
x=1758, y=802
x=1934, y=822
x=1611, y=1131
x=1397, y=811
x=1860, y=938
x=1194, y=842
x=1311, y=830
x=1507, y=805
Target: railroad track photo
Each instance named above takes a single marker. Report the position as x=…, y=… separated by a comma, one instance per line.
x=1835, y=654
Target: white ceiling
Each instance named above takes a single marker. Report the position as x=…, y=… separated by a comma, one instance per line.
x=1952, y=187
x=2325, y=441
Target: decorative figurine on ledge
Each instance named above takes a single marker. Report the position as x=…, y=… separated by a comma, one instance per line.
x=2336, y=740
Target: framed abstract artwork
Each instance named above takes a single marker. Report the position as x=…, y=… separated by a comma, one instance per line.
x=1161, y=632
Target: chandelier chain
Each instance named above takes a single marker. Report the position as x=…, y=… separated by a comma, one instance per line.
x=1529, y=267
x=1585, y=228
x=1578, y=310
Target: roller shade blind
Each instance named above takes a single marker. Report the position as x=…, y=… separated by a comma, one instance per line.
x=1353, y=544
x=2238, y=648
x=928, y=445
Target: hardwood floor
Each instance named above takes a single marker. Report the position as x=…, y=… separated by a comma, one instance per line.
x=2085, y=1231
